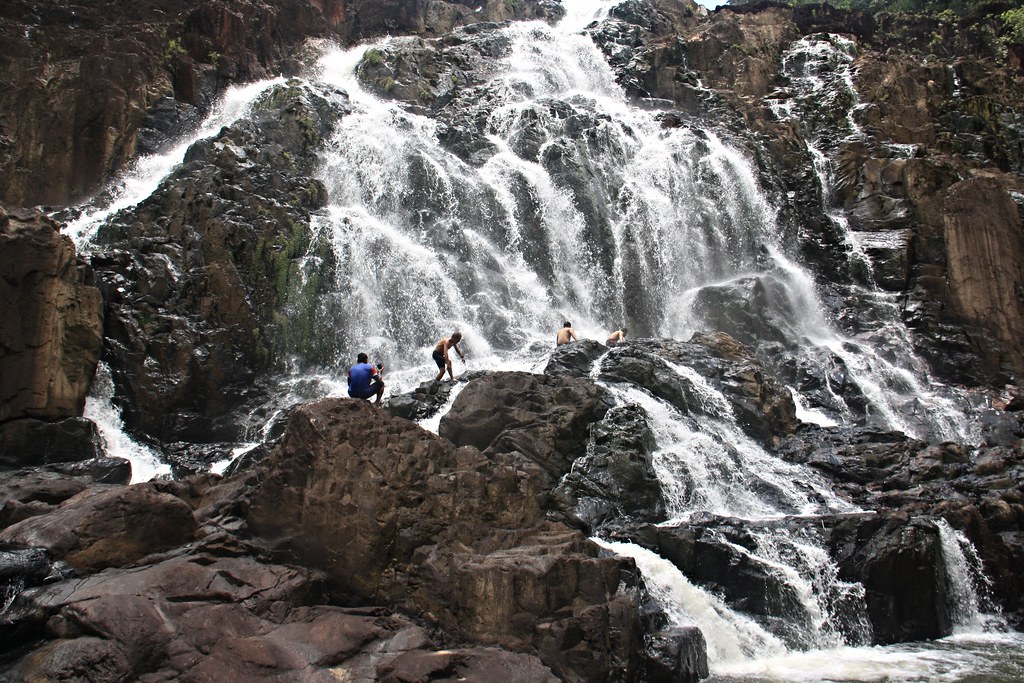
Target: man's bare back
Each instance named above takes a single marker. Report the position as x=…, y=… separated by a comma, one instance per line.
x=565, y=335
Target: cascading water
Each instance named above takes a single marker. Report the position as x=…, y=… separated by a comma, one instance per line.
x=822, y=98
x=583, y=207
x=100, y=409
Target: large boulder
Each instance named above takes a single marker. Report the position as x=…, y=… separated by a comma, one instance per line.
x=112, y=527
x=900, y=563
x=33, y=491
x=749, y=393
x=393, y=514
x=545, y=418
x=52, y=316
x=29, y=442
x=615, y=480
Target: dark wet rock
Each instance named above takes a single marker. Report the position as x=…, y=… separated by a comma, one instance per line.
x=192, y=325
x=188, y=458
x=29, y=442
x=676, y=655
x=615, y=479
x=546, y=419
x=426, y=400
x=102, y=470
x=31, y=565
x=902, y=569
x=715, y=555
x=248, y=460
x=762, y=407
x=575, y=359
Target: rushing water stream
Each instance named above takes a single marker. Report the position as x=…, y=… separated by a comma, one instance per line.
x=504, y=251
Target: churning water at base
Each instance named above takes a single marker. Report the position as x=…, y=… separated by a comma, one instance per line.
x=741, y=651
x=507, y=247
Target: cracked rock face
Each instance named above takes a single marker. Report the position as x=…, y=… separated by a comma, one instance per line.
x=53, y=325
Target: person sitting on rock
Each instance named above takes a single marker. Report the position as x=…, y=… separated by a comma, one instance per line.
x=441, y=357
x=616, y=337
x=565, y=335
x=364, y=380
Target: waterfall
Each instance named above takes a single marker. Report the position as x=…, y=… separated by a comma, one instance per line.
x=671, y=227
x=143, y=177
x=707, y=465
x=730, y=635
x=100, y=408
x=968, y=587
x=584, y=207
x=822, y=98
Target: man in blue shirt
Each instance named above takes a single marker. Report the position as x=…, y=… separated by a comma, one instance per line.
x=364, y=380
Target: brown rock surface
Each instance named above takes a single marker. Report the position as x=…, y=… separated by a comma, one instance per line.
x=51, y=336
x=108, y=528
x=546, y=418
x=985, y=248
x=394, y=514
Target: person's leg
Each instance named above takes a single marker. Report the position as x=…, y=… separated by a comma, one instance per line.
x=378, y=388
x=439, y=360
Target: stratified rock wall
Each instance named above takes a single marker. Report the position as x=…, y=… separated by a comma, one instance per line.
x=934, y=102
x=985, y=247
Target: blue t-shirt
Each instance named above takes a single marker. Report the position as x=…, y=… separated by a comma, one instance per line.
x=359, y=377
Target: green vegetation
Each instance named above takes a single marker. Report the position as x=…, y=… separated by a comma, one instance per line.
x=1013, y=26
x=174, y=50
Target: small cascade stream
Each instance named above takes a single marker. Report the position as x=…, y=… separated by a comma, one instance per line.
x=506, y=249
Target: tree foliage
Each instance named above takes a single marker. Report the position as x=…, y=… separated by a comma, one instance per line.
x=997, y=8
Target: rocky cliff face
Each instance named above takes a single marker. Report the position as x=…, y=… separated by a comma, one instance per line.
x=211, y=299
x=91, y=85
x=938, y=109
x=398, y=543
